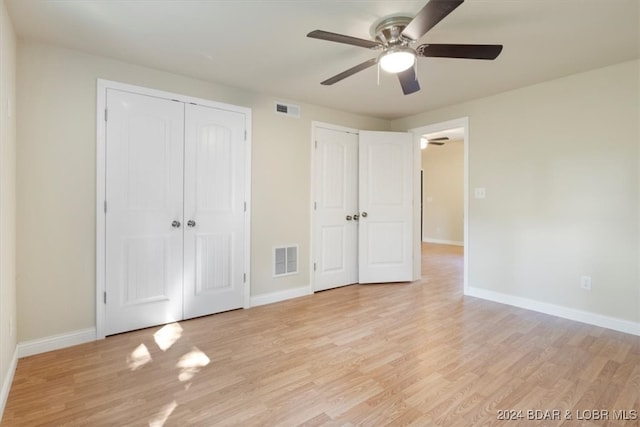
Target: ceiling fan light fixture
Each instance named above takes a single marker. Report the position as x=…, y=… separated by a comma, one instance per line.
x=397, y=59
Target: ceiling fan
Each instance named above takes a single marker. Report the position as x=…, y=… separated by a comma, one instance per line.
x=438, y=141
x=433, y=141
x=395, y=35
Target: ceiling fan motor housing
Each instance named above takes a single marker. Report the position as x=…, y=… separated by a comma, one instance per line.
x=389, y=31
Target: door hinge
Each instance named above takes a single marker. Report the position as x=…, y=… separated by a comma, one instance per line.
x=106, y=114
x=314, y=266
x=105, y=297
x=105, y=206
x=315, y=206
x=245, y=206
x=245, y=135
x=316, y=144
x=244, y=278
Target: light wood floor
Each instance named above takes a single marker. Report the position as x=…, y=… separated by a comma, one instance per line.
x=392, y=354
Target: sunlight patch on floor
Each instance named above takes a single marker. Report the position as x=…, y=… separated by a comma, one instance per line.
x=162, y=416
x=191, y=363
x=167, y=336
x=138, y=357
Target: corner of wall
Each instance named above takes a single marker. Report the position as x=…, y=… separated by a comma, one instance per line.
x=8, y=340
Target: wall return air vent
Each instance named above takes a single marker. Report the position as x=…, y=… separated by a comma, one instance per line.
x=285, y=260
x=287, y=109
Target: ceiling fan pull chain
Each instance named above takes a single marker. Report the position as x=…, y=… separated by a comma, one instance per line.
x=378, y=73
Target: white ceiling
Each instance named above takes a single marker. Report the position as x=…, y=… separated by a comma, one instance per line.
x=262, y=45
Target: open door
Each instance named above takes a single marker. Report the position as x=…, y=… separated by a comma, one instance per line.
x=385, y=235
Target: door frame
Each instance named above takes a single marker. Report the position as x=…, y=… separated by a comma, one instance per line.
x=462, y=122
x=101, y=100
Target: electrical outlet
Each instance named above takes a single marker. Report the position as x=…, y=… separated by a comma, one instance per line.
x=585, y=283
x=480, y=193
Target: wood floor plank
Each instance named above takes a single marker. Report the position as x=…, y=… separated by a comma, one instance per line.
x=396, y=354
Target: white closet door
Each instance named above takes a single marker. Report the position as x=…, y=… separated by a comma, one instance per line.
x=386, y=207
x=336, y=208
x=144, y=157
x=214, y=203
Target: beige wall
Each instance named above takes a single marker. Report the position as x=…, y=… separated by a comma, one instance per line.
x=559, y=161
x=560, y=164
x=443, y=192
x=56, y=180
x=7, y=194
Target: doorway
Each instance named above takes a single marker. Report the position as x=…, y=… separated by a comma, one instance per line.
x=445, y=136
x=442, y=156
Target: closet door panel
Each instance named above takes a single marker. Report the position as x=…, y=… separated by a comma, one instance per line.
x=214, y=210
x=144, y=156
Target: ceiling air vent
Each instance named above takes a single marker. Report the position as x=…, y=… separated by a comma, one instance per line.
x=287, y=109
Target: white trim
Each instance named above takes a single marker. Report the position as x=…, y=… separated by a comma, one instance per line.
x=462, y=122
x=8, y=380
x=55, y=342
x=101, y=103
x=417, y=218
x=442, y=242
x=101, y=144
x=247, y=218
x=329, y=126
x=590, y=318
x=273, y=297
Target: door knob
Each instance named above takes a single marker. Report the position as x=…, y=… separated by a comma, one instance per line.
x=191, y=223
x=355, y=217
x=363, y=214
x=349, y=217
x=175, y=224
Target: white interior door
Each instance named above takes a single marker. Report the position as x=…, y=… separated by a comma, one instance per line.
x=336, y=208
x=144, y=187
x=386, y=207
x=214, y=204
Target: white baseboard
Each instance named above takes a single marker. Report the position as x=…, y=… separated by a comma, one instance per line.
x=280, y=296
x=590, y=318
x=55, y=342
x=442, y=242
x=8, y=380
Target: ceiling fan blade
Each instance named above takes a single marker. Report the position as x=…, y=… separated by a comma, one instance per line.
x=341, y=38
x=436, y=143
x=432, y=13
x=442, y=138
x=465, y=51
x=349, y=72
x=408, y=81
